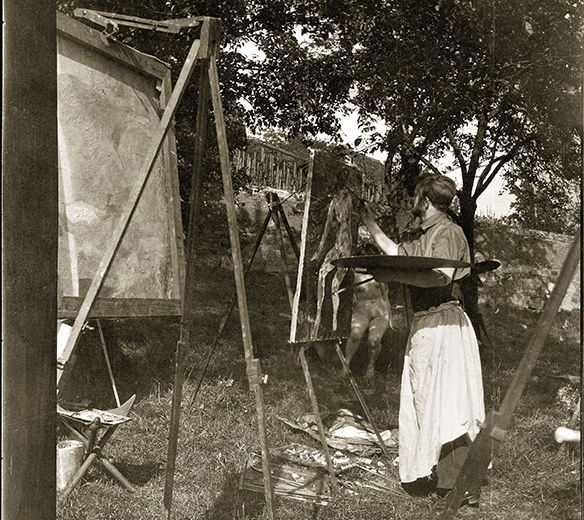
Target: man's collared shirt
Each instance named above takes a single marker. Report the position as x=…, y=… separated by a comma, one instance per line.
x=440, y=237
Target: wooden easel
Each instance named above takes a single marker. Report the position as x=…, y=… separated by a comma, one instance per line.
x=203, y=51
x=301, y=352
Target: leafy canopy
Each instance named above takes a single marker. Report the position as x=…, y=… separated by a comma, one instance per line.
x=486, y=83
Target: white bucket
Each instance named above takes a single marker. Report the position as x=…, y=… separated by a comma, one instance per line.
x=69, y=460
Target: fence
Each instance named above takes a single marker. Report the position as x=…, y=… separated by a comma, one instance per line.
x=270, y=166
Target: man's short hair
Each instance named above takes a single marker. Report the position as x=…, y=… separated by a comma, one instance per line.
x=439, y=189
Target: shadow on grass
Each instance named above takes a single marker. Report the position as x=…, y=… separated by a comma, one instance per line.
x=140, y=474
x=136, y=474
x=141, y=355
x=236, y=503
x=567, y=507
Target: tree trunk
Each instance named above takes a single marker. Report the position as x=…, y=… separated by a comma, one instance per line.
x=468, y=208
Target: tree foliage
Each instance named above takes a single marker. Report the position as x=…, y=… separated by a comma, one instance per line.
x=487, y=83
x=484, y=82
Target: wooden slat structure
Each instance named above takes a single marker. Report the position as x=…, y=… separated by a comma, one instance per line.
x=270, y=166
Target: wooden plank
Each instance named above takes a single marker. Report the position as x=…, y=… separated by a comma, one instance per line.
x=30, y=226
x=139, y=62
x=133, y=198
x=69, y=307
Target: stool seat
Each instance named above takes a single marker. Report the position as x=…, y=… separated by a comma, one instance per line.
x=86, y=425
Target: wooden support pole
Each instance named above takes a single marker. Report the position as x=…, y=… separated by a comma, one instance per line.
x=487, y=443
x=252, y=364
x=30, y=230
x=183, y=344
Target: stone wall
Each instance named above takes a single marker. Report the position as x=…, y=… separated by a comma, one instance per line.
x=531, y=262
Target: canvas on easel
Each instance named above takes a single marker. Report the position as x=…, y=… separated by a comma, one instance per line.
x=110, y=101
x=322, y=310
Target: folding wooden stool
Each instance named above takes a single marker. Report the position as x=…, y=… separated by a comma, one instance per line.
x=85, y=425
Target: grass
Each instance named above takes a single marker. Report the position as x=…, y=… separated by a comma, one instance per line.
x=531, y=478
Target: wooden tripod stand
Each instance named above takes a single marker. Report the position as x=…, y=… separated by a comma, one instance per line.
x=202, y=53
x=205, y=52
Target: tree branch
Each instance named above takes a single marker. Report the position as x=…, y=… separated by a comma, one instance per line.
x=490, y=164
x=478, y=144
x=457, y=151
x=500, y=162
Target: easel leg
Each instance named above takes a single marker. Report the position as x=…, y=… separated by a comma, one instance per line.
x=226, y=314
x=107, y=362
x=238, y=273
x=186, y=321
x=289, y=231
x=274, y=206
x=316, y=411
x=273, y=201
x=361, y=400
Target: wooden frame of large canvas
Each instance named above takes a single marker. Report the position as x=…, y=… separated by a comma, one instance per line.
x=111, y=98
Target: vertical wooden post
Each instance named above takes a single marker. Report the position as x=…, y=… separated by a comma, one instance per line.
x=183, y=344
x=30, y=202
x=253, y=369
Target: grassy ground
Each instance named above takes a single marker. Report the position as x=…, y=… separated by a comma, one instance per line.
x=530, y=479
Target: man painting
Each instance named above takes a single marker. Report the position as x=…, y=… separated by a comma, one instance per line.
x=441, y=401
